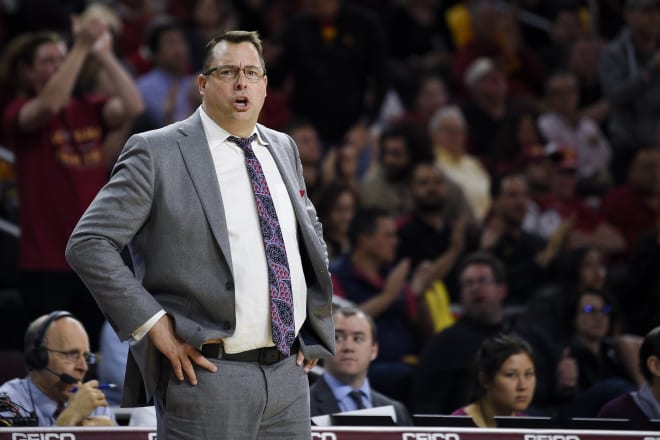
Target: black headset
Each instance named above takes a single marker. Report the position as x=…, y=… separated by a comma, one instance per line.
x=36, y=357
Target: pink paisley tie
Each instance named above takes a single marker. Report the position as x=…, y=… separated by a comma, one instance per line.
x=279, y=278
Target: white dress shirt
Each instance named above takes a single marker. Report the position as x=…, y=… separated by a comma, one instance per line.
x=253, y=319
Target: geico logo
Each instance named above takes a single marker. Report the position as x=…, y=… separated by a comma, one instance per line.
x=551, y=437
x=429, y=436
x=324, y=436
x=42, y=436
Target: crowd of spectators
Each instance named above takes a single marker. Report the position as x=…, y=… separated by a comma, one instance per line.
x=428, y=130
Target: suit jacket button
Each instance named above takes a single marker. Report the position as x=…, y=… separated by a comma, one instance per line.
x=229, y=285
x=226, y=325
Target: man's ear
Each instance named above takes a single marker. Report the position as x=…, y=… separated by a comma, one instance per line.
x=374, y=351
x=201, y=83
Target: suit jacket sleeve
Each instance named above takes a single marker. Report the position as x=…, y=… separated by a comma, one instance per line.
x=111, y=221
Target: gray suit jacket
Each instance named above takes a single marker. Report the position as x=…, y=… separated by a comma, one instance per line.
x=163, y=202
x=322, y=401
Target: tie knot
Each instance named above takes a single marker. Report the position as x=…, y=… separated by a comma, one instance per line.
x=357, y=395
x=244, y=143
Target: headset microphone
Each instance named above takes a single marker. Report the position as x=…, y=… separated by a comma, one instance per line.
x=66, y=378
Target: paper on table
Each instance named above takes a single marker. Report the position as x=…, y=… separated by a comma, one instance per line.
x=388, y=410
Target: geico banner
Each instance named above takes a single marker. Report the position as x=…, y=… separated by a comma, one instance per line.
x=43, y=436
x=343, y=433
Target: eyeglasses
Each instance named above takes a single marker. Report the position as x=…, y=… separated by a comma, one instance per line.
x=73, y=356
x=229, y=73
x=481, y=281
x=591, y=310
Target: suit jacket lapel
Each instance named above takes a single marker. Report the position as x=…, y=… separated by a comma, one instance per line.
x=275, y=151
x=199, y=163
x=288, y=176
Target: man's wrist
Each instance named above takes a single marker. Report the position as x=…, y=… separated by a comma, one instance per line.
x=141, y=331
x=68, y=417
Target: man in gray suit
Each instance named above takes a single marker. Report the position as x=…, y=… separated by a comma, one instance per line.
x=196, y=307
x=344, y=385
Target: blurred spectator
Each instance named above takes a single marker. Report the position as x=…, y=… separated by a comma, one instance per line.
x=503, y=381
x=208, y=18
x=640, y=295
x=367, y=278
x=268, y=17
x=567, y=27
x=629, y=72
x=417, y=46
x=496, y=35
x=541, y=21
x=310, y=150
x=135, y=17
x=336, y=205
x=442, y=379
x=538, y=166
x=345, y=164
x=59, y=139
x=336, y=54
x=563, y=124
x=387, y=184
x=579, y=269
x=643, y=405
x=583, y=57
x=561, y=205
x=486, y=107
x=433, y=231
x=526, y=256
x=448, y=134
x=430, y=95
x=518, y=136
x=634, y=207
x=167, y=86
x=344, y=385
x=597, y=371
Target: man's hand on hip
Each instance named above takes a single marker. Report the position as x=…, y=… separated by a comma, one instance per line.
x=179, y=353
x=307, y=364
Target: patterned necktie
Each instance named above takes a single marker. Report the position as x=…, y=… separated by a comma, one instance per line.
x=356, y=395
x=279, y=278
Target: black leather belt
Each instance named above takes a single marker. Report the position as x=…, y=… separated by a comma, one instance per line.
x=265, y=356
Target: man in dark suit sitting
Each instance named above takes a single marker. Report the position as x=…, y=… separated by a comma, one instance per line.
x=344, y=385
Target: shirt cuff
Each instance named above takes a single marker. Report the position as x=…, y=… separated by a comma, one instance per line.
x=142, y=330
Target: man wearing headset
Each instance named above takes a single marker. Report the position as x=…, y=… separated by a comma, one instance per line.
x=57, y=358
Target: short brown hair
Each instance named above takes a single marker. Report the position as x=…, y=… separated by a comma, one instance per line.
x=349, y=311
x=233, y=37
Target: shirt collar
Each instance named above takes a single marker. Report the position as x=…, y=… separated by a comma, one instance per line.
x=216, y=135
x=42, y=403
x=341, y=390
